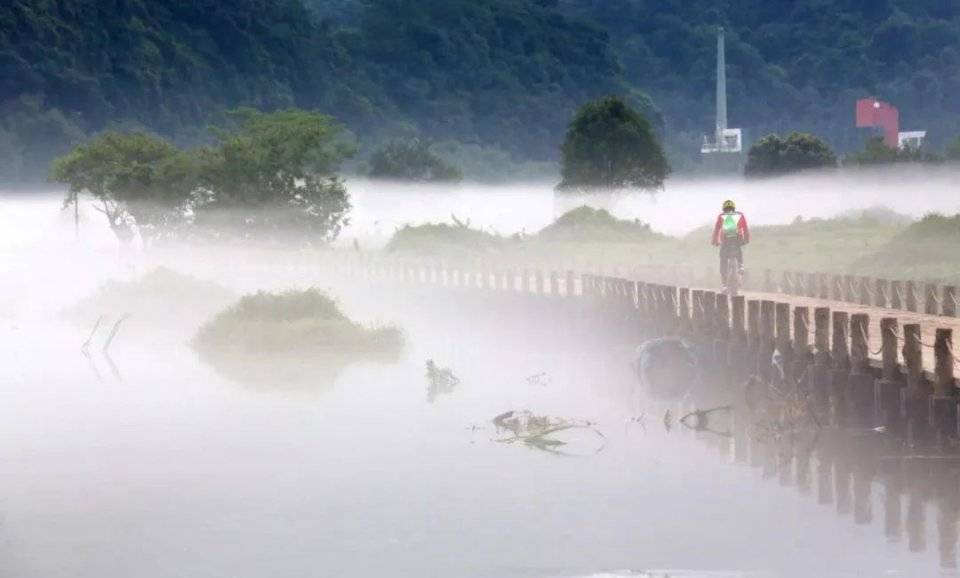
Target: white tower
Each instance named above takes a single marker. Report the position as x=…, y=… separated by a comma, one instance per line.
x=721, y=86
x=725, y=140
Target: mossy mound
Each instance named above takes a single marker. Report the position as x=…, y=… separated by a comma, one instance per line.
x=444, y=239
x=162, y=297
x=586, y=224
x=294, y=322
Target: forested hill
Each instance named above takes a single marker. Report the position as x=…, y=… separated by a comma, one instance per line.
x=792, y=64
x=506, y=72
x=503, y=73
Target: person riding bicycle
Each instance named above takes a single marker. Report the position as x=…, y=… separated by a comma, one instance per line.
x=730, y=233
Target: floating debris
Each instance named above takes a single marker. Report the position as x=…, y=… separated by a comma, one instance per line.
x=538, y=432
x=85, y=348
x=699, y=420
x=440, y=381
x=667, y=367
x=541, y=379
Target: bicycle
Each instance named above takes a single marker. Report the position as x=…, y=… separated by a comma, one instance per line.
x=734, y=278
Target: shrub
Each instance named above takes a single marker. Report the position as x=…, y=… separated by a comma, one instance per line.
x=773, y=155
x=162, y=296
x=433, y=238
x=596, y=225
x=293, y=322
x=411, y=160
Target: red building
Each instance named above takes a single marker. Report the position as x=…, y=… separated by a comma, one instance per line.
x=874, y=113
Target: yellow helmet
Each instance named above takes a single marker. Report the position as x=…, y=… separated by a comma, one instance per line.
x=729, y=205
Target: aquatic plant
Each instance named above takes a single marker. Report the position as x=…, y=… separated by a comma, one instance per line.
x=292, y=322
x=161, y=297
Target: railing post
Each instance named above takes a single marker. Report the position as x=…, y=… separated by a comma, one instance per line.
x=721, y=333
x=819, y=376
x=849, y=294
x=914, y=397
x=880, y=288
x=753, y=335
x=801, y=342
x=949, y=304
x=930, y=299
x=840, y=352
x=737, y=352
x=683, y=313
x=943, y=404
x=768, y=323
x=786, y=284
x=783, y=339
x=865, y=297
x=896, y=295
x=860, y=388
x=836, y=287
x=910, y=291
x=887, y=388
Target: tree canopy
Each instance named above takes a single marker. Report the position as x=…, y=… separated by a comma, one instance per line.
x=774, y=155
x=498, y=74
x=269, y=176
x=411, y=160
x=611, y=146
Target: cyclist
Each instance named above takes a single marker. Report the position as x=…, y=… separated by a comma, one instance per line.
x=730, y=233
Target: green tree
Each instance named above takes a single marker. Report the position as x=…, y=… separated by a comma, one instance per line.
x=141, y=182
x=953, y=150
x=411, y=160
x=876, y=152
x=611, y=146
x=274, y=175
x=773, y=155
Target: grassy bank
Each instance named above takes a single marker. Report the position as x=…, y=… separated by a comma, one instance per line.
x=874, y=241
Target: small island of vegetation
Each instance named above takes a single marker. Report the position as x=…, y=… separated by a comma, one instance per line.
x=304, y=322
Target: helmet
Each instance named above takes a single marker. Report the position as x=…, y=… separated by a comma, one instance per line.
x=729, y=205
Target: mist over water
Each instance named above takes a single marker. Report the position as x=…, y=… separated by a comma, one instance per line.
x=684, y=204
x=153, y=463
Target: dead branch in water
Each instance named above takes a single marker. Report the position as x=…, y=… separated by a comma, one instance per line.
x=113, y=333
x=86, y=344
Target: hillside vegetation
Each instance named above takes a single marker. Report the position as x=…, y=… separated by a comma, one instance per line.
x=876, y=242
x=501, y=74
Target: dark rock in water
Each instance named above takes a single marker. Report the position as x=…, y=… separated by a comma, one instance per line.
x=667, y=367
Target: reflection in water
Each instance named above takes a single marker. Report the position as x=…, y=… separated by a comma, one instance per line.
x=863, y=473
x=293, y=372
x=948, y=511
x=892, y=477
x=916, y=514
x=841, y=484
x=440, y=381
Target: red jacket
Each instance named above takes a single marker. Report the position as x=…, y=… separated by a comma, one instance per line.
x=737, y=228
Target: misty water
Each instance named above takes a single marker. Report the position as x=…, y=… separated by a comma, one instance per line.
x=152, y=463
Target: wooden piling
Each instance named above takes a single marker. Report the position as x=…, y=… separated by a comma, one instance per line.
x=948, y=305
x=930, y=299
x=801, y=342
x=880, y=290
x=910, y=295
x=840, y=354
x=860, y=386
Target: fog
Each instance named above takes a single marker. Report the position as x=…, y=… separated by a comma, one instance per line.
x=149, y=461
x=683, y=205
